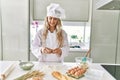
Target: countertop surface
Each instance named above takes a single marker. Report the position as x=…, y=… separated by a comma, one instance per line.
x=47, y=68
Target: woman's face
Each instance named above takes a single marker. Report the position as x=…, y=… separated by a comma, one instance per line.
x=52, y=21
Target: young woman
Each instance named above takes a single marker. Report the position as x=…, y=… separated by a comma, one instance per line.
x=51, y=42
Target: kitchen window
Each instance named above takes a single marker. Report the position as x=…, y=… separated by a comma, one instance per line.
x=78, y=34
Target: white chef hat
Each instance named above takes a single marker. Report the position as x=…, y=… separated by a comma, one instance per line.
x=55, y=10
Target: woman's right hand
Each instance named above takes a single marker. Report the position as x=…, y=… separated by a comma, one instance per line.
x=47, y=50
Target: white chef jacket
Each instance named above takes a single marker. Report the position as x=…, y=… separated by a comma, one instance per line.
x=51, y=42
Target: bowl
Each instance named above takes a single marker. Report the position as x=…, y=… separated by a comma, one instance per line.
x=26, y=65
x=83, y=60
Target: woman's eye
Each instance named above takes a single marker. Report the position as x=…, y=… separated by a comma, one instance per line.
x=55, y=18
x=50, y=18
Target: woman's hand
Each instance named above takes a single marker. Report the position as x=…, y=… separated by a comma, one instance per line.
x=47, y=50
x=57, y=51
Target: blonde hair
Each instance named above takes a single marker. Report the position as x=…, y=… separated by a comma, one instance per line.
x=58, y=31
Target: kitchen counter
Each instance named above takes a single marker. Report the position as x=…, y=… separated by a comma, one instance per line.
x=47, y=68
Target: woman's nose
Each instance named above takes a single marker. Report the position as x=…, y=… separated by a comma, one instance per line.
x=52, y=20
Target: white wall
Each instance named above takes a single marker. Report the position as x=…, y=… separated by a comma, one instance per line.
x=15, y=27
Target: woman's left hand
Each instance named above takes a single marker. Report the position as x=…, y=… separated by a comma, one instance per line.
x=57, y=51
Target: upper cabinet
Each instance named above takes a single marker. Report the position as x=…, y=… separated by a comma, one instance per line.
x=14, y=41
x=108, y=4
x=0, y=34
x=118, y=43
x=105, y=35
x=77, y=10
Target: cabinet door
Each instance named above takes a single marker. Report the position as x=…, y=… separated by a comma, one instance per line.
x=118, y=44
x=0, y=34
x=77, y=10
x=15, y=29
x=104, y=35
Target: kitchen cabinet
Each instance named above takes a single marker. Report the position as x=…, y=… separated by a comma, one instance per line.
x=0, y=46
x=72, y=55
x=108, y=4
x=75, y=10
x=114, y=6
x=0, y=34
x=69, y=58
x=104, y=37
x=15, y=29
x=118, y=43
